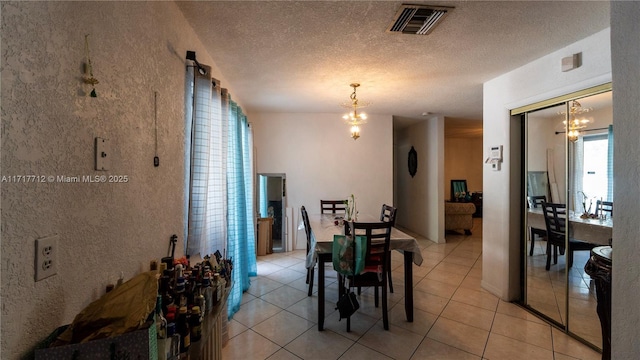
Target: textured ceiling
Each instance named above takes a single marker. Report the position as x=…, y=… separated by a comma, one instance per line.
x=301, y=56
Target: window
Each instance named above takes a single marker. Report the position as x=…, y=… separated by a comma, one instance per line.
x=594, y=175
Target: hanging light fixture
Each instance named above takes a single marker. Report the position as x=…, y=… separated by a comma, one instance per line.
x=354, y=118
x=575, y=123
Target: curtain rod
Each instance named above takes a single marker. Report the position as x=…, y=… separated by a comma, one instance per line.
x=562, y=132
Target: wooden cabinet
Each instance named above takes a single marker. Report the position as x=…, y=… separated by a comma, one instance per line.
x=265, y=237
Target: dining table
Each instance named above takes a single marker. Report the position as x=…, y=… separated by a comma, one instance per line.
x=325, y=226
x=592, y=230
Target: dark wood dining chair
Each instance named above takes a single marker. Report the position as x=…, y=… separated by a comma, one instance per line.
x=333, y=206
x=388, y=214
x=607, y=206
x=378, y=236
x=307, y=230
x=536, y=202
x=555, y=218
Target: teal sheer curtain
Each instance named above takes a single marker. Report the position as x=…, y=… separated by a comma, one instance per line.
x=240, y=217
x=610, y=163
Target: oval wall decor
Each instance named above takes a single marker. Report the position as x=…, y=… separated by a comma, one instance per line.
x=413, y=161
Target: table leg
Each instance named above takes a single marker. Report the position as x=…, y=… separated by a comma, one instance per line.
x=320, y=293
x=408, y=285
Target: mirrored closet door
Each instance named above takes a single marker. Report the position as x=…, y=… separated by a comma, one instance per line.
x=567, y=179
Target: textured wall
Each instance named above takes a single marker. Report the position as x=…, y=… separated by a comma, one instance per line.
x=625, y=50
x=48, y=128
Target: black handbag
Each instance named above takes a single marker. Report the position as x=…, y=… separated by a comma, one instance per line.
x=347, y=305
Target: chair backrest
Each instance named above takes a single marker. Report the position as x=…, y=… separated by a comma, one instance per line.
x=388, y=213
x=333, y=206
x=555, y=219
x=307, y=225
x=378, y=238
x=607, y=206
x=457, y=187
x=536, y=201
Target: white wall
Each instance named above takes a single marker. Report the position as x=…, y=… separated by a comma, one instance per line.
x=322, y=161
x=420, y=199
x=538, y=80
x=48, y=128
x=625, y=30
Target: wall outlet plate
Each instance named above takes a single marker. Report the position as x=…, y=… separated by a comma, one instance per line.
x=46, y=259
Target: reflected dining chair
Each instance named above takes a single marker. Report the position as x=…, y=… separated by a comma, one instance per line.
x=388, y=214
x=333, y=206
x=536, y=202
x=606, y=206
x=307, y=230
x=555, y=219
x=378, y=237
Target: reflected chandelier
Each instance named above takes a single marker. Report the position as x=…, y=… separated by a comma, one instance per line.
x=354, y=118
x=575, y=124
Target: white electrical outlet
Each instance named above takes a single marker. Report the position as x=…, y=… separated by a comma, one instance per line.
x=46, y=263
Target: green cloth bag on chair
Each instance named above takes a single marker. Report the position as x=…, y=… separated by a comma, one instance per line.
x=343, y=254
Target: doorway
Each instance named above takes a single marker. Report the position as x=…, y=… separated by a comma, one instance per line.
x=272, y=203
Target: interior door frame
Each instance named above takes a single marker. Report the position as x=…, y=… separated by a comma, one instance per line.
x=283, y=192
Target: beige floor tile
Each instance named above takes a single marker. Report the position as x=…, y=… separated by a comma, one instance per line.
x=469, y=314
x=284, y=297
x=286, y=276
x=321, y=345
x=501, y=347
x=452, y=267
x=249, y=345
x=436, y=287
x=472, y=282
x=262, y=285
x=360, y=324
x=566, y=345
x=265, y=267
x=445, y=276
x=462, y=257
x=283, y=327
x=255, y=312
x=308, y=308
x=429, y=302
x=235, y=328
x=435, y=350
x=283, y=354
x=481, y=299
x=514, y=310
x=360, y=352
x=459, y=335
x=526, y=331
x=422, y=320
x=396, y=342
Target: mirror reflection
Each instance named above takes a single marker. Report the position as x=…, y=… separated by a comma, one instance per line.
x=569, y=191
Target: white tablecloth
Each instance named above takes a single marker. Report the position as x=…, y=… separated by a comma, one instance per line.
x=323, y=228
x=593, y=231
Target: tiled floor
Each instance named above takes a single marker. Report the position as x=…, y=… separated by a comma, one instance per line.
x=454, y=318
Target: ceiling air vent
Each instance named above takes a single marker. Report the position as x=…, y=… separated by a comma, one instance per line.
x=418, y=19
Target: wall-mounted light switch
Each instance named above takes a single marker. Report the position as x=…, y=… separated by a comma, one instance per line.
x=103, y=154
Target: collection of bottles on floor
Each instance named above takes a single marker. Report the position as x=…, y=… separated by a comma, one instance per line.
x=185, y=295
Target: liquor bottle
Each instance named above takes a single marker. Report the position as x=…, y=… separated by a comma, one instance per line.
x=173, y=339
x=182, y=328
x=196, y=324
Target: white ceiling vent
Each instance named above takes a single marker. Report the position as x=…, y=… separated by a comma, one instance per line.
x=418, y=19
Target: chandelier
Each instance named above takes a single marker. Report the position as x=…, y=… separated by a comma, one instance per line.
x=354, y=118
x=575, y=124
